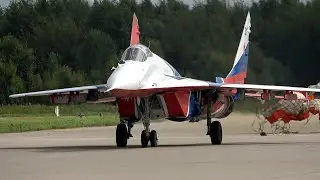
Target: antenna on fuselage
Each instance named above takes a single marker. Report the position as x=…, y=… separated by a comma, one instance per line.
x=149, y=44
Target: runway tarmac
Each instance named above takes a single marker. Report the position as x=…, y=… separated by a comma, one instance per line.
x=184, y=152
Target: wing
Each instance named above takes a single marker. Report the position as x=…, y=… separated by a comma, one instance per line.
x=260, y=90
x=184, y=82
x=82, y=89
x=166, y=83
x=257, y=87
x=173, y=83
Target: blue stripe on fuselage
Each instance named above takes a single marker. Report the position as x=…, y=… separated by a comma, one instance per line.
x=193, y=109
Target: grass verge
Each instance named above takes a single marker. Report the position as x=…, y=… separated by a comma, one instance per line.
x=21, y=118
x=22, y=124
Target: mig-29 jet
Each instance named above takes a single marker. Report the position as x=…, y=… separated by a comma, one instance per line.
x=147, y=87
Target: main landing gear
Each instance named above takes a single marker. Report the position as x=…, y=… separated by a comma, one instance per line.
x=214, y=128
x=123, y=133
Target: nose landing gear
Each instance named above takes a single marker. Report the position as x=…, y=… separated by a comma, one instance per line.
x=123, y=133
x=152, y=137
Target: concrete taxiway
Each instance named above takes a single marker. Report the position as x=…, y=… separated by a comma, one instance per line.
x=184, y=152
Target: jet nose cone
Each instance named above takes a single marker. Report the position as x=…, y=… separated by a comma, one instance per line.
x=111, y=81
x=126, y=77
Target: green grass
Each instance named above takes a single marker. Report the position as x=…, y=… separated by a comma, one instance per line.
x=48, y=110
x=22, y=124
x=21, y=118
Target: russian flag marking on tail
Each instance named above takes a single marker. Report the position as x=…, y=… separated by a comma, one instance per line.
x=238, y=72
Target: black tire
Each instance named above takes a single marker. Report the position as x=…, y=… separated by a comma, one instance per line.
x=121, y=135
x=144, y=139
x=216, y=132
x=153, y=138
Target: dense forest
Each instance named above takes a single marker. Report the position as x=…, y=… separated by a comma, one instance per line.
x=49, y=44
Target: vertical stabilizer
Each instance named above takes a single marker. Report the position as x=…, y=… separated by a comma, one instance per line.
x=238, y=72
x=135, y=33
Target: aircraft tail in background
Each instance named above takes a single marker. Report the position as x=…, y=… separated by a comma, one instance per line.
x=238, y=73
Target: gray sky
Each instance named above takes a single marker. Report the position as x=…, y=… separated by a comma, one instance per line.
x=189, y=2
x=4, y=2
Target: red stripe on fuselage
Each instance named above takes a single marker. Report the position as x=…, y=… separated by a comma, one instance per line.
x=126, y=107
x=151, y=91
x=177, y=103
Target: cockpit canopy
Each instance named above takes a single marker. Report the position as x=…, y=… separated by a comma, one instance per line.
x=136, y=53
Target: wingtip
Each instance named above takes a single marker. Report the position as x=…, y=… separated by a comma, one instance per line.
x=16, y=95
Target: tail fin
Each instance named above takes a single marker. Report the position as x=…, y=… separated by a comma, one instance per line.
x=135, y=33
x=238, y=72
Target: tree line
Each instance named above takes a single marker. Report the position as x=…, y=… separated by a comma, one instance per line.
x=47, y=44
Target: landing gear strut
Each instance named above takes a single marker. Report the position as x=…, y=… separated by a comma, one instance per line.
x=123, y=132
x=214, y=129
x=146, y=135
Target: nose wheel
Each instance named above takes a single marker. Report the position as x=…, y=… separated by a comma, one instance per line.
x=152, y=137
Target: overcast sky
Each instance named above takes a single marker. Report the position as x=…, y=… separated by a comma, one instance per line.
x=189, y=2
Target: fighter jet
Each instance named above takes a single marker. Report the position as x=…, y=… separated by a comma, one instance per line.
x=146, y=87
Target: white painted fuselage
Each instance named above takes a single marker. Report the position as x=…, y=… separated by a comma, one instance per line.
x=146, y=70
x=143, y=73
